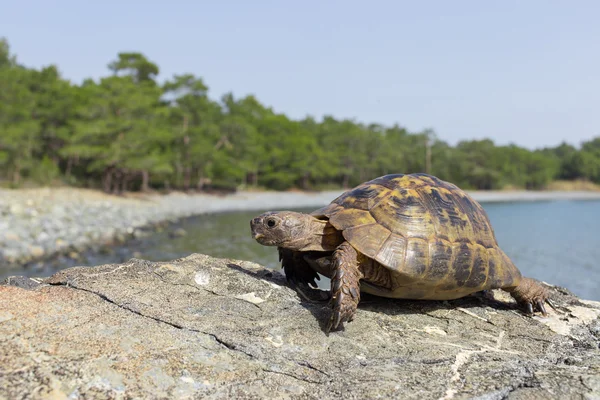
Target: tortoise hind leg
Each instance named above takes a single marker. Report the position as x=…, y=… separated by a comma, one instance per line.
x=530, y=294
x=345, y=286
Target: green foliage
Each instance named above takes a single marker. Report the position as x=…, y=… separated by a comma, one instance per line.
x=589, y=160
x=19, y=129
x=127, y=132
x=45, y=171
x=135, y=65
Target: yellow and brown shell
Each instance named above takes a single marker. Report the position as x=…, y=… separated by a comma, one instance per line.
x=426, y=231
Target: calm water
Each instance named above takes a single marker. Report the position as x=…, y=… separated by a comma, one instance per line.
x=556, y=241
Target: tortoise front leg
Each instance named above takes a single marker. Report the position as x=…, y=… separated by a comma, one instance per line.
x=296, y=269
x=301, y=276
x=345, y=286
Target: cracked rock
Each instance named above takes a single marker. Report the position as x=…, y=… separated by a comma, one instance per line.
x=201, y=327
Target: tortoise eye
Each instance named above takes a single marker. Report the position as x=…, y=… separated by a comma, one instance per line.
x=271, y=223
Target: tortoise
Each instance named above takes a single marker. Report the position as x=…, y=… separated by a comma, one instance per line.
x=409, y=236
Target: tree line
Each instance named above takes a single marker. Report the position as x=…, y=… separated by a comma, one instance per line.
x=126, y=131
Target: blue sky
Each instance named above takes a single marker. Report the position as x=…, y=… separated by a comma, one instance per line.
x=524, y=72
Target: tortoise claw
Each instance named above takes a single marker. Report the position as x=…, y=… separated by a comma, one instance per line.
x=341, y=312
x=334, y=322
x=537, y=305
x=531, y=294
x=529, y=308
x=540, y=306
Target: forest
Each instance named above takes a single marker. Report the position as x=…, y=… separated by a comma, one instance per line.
x=128, y=132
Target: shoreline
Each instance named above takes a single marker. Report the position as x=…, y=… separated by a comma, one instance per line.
x=37, y=224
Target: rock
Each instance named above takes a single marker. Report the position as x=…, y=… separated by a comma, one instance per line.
x=201, y=327
x=22, y=282
x=9, y=236
x=179, y=232
x=10, y=254
x=36, y=251
x=42, y=237
x=16, y=209
x=61, y=244
x=4, y=225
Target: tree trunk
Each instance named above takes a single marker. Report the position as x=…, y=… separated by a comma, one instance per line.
x=346, y=181
x=145, y=180
x=178, y=174
x=305, y=181
x=17, y=172
x=107, y=176
x=201, y=182
x=118, y=176
x=125, y=182
x=69, y=167
x=187, y=177
x=255, y=178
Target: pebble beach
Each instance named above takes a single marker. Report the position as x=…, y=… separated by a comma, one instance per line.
x=39, y=223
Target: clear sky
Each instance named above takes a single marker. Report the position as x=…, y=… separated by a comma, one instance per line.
x=526, y=72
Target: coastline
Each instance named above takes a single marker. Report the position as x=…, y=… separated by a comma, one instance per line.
x=39, y=223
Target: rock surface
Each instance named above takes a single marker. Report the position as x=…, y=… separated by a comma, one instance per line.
x=201, y=327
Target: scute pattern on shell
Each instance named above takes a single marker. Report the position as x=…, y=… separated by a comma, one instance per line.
x=426, y=230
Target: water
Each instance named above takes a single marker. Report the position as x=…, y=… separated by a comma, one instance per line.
x=554, y=241
x=558, y=242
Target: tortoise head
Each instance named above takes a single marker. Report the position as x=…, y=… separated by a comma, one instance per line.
x=292, y=230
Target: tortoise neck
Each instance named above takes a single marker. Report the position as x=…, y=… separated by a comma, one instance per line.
x=319, y=235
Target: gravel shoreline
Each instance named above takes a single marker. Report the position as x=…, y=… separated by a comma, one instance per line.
x=39, y=223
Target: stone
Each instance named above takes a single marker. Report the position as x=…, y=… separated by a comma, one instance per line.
x=61, y=244
x=10, y=254
x=179, y=232
x=36, y=251
x=22, y=282
x=16, y=209
x=10, y=236
x=202, y=327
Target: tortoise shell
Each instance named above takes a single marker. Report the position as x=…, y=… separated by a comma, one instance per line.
x=425, y=231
